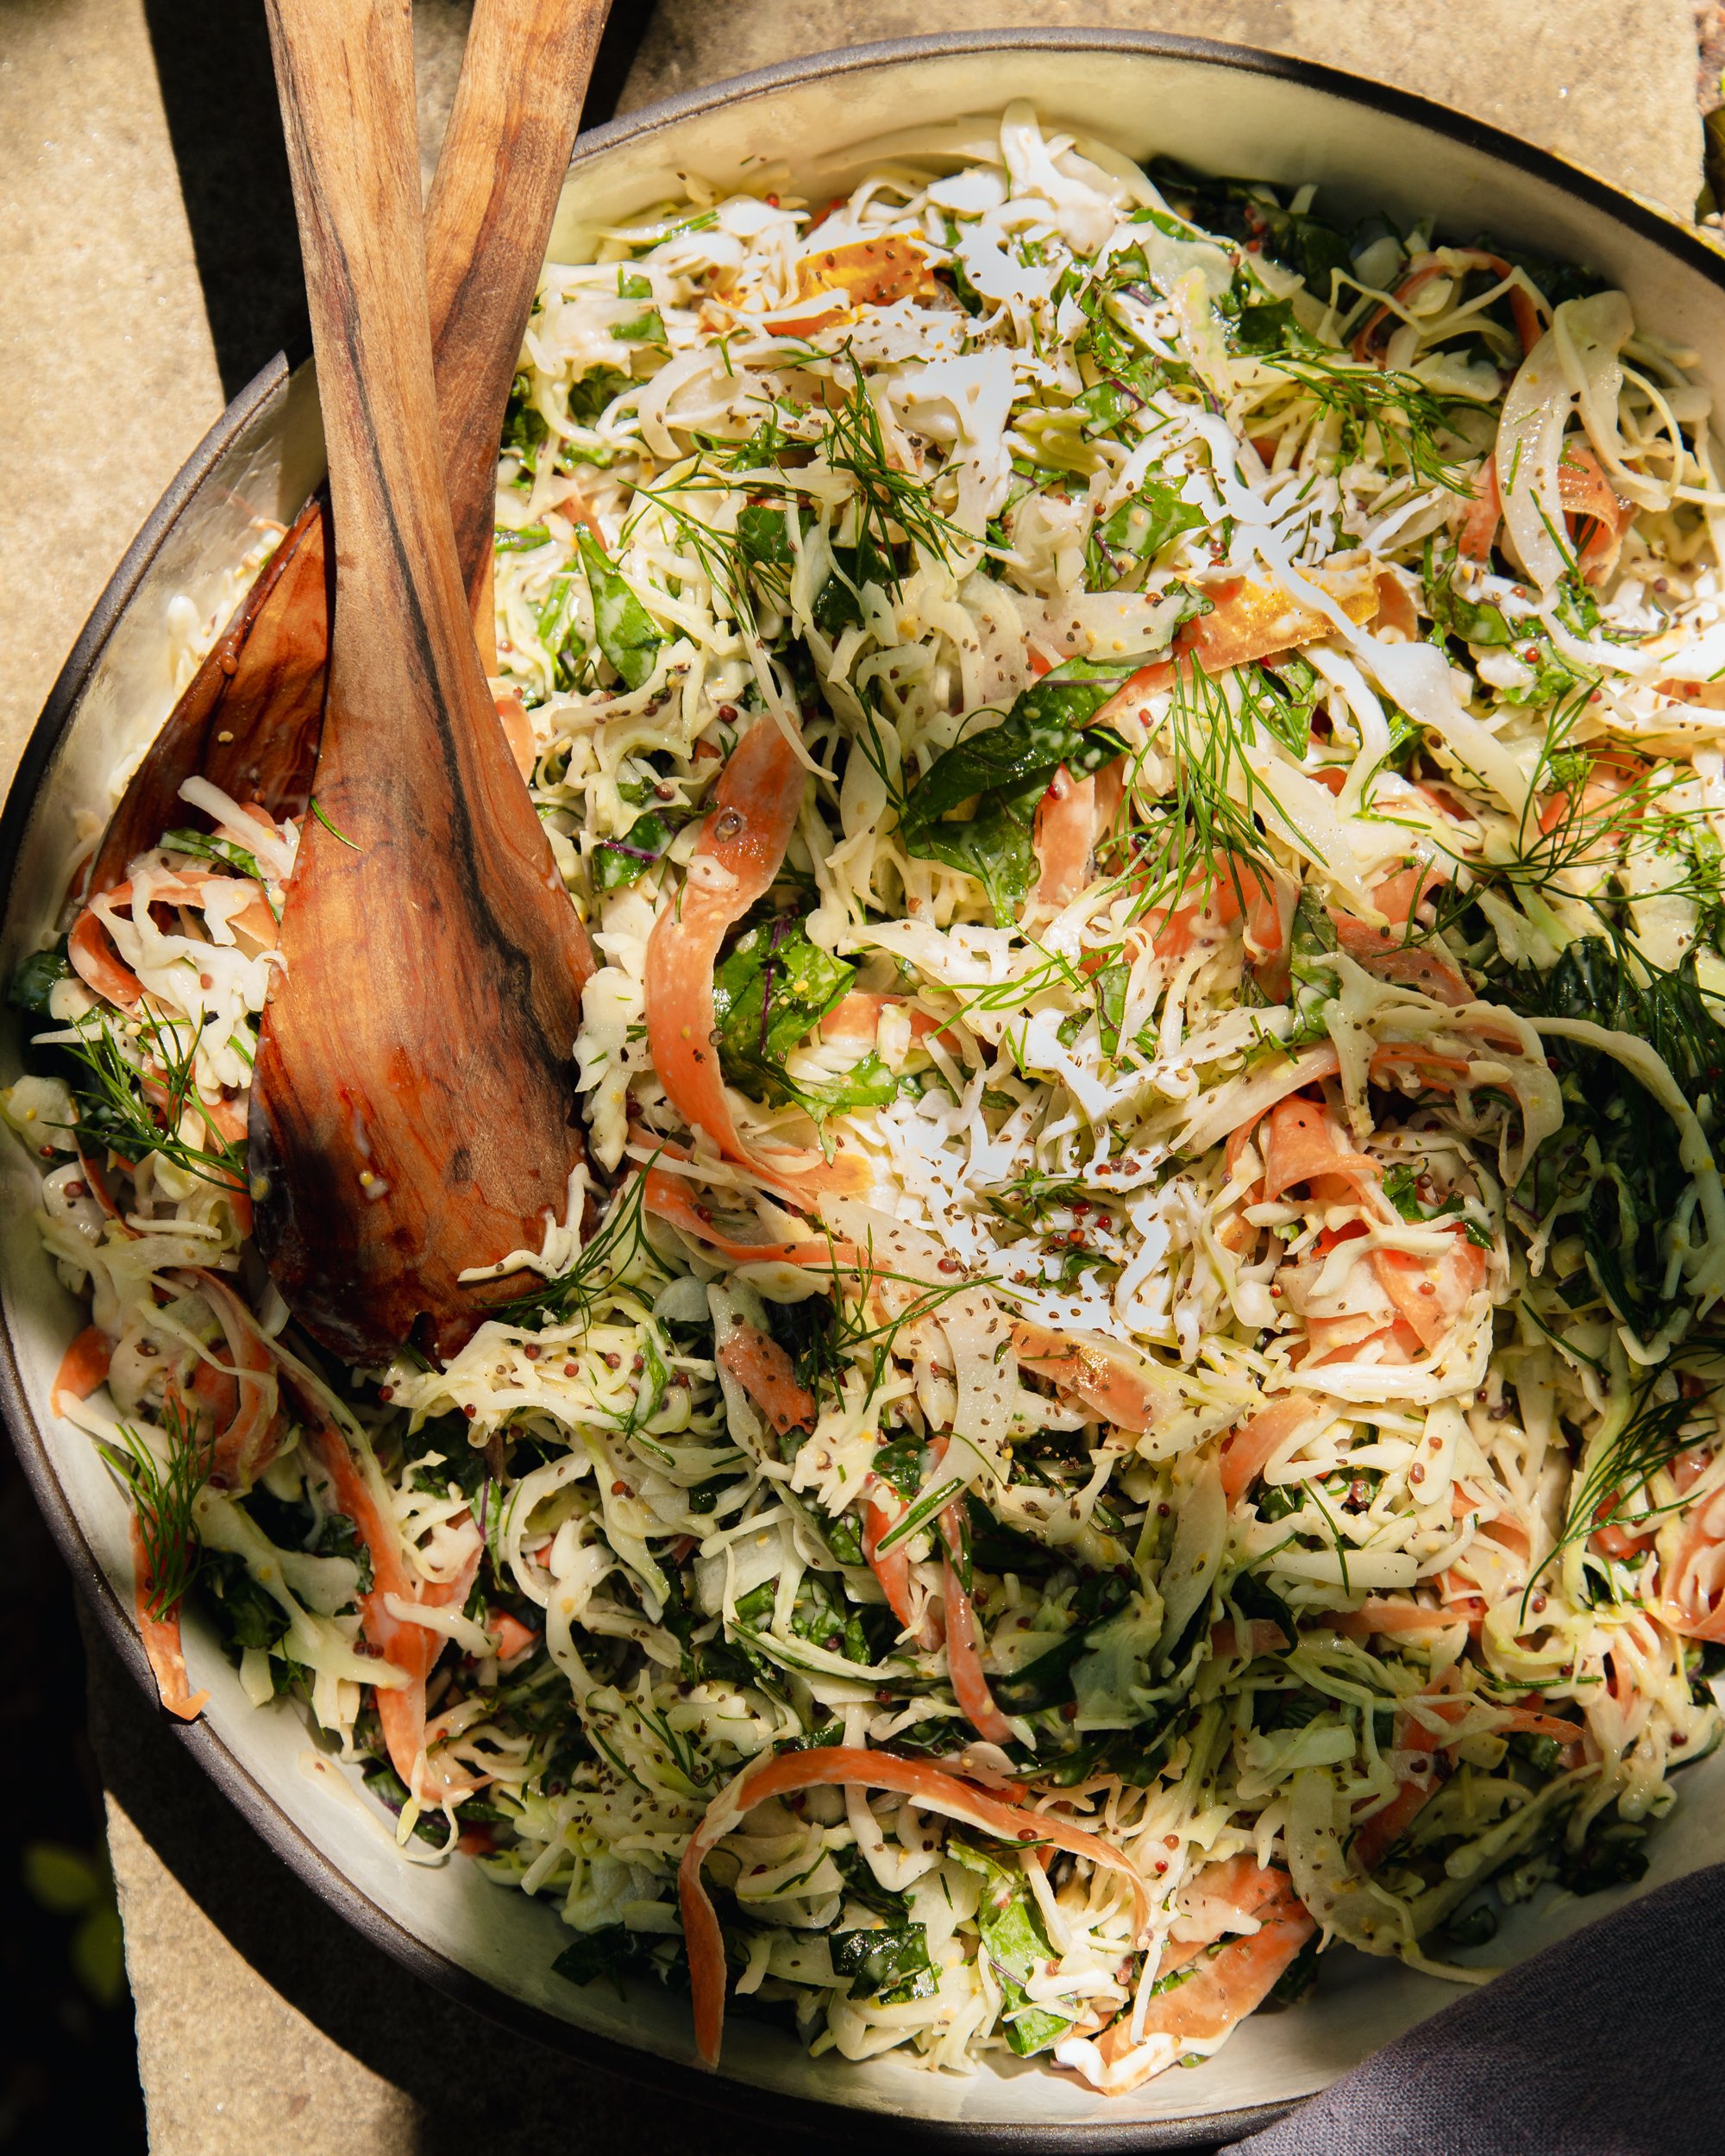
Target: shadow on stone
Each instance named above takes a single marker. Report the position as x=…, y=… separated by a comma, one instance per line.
x=218, y=91
x=625, y=28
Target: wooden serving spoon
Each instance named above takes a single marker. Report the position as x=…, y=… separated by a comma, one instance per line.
x=248, y=719
x=412, y=1103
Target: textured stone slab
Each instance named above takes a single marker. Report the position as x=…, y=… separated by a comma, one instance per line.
x=264, y=2025
x=108, y=375
x=1607, y=83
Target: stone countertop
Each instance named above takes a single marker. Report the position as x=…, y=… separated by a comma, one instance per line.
x=263, y=2023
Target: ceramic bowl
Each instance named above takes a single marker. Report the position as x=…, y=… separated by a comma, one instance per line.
x=1219, y=107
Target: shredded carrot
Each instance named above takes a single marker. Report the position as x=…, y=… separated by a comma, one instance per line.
x=1611, y=1537
x=244, y=1400
x=518, y=730
x=512, y=1637
x=1431, y=1296
x=1262, y=1635
x=668, y=1197
x=1316, y=1064
x=964, y=1645
x=1302, y=1147
x=767, y=1374
x=892, y=1567
x=1453, y=262
x=963, y=1632
x=82, y=1368
x=873, y=272
x=1230, y=891
x=737, y=857
x=91, y=945
x=1485, y=513
x=1436, y=1072
x=1252, y=620
x=161, y=1639
x=856, y=1017
x=1590, y=503
x=1395, y=608
x=1377, y=1836
x=842, y=1766
x=1691, y=1603
x=99, y=1190
x=412, y=1649
x=1384, y=1614
x=1124, y=1387
x=1387, y=952
x=1247, y=1449
x=1231, y=1980
x=848, y=1174
x=1065, y=833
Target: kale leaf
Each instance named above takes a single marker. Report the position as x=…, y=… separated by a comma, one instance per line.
x=36, y=980
x=591, y=394
x=890, y=1962
x=1004, y=772
x=1615, y=1168
x=206, y=846
x=1048, y=1680
x=771, y=990
x=246, y=1615
x=1017, y=1946
x=648, y=326
x=617, y=861
x=1143, y=526
x=624, y=628
x=613, y=1951
x=1248, y=211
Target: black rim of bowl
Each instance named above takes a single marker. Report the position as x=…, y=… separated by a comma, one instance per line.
x=278, y=1828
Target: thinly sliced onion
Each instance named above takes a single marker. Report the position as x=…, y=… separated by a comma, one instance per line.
x=1529, y=1077
x=1590, y=335
x=1417, y=677
x=1201, y=1534
x=1529, y=449
x=978, y=1332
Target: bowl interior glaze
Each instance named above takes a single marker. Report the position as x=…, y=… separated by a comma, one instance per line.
x=1218, y=107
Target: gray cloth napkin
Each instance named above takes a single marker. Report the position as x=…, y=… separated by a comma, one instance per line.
x=1606, y=2045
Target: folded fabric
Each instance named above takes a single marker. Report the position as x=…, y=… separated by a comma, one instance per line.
x=1603, y=2045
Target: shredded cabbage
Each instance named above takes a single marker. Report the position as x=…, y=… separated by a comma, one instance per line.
x=1236, y=1019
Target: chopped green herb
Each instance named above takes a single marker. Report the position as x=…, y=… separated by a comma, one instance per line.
x=623, y=625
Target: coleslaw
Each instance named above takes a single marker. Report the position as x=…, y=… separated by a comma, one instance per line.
x=1144, y=768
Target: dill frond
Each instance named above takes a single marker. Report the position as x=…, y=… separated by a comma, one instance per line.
x=1654, y=1431
x=892, y=504
x=126, y=1106
x=852, y=1337
x=1173, y=849
x=605, y=1260
x=1395, y=411
x=163, y=1497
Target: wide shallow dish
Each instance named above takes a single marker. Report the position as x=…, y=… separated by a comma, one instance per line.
x=1219, y=107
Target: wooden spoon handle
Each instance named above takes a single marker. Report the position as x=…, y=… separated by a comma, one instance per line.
x=488, y=223
x=344, y=69
x=248, y=719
